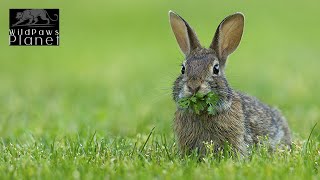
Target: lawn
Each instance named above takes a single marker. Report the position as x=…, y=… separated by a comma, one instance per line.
x=99, y=106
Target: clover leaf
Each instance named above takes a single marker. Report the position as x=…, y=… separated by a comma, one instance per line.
x=200, y=102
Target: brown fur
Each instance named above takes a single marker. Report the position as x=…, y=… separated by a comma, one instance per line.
x=240, y=119
x=192, y=130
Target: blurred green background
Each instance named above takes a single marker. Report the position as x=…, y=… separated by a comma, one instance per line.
x=117, y=61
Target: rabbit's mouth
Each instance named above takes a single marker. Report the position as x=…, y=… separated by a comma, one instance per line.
x=187, y=92
x=199, y=103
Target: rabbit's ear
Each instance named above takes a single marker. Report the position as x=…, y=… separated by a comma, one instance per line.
x=228, y=35
x=186, y=37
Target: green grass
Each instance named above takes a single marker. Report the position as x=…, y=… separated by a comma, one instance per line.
x=144, y=157
x=85, y=109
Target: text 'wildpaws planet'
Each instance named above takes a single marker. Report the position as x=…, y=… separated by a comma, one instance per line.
x=34, y=27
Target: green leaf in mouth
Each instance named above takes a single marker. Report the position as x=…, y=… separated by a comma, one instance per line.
x=200, y=102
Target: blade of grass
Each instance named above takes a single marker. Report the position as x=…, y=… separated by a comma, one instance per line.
x=305, y=148
x=145, y=143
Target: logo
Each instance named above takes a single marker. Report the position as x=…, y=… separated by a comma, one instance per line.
x=34, y=27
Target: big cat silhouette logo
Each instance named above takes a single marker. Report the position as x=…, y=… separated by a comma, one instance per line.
x=34, y=27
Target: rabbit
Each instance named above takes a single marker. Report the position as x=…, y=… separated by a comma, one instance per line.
x=240, y=119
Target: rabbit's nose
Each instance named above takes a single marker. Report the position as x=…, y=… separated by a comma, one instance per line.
x=194, y=84
x=194, y=88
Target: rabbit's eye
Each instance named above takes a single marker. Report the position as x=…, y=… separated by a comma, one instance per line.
x=216, y=69
x=183, y=69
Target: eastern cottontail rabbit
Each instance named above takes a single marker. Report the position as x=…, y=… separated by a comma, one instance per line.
x=240, y=119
